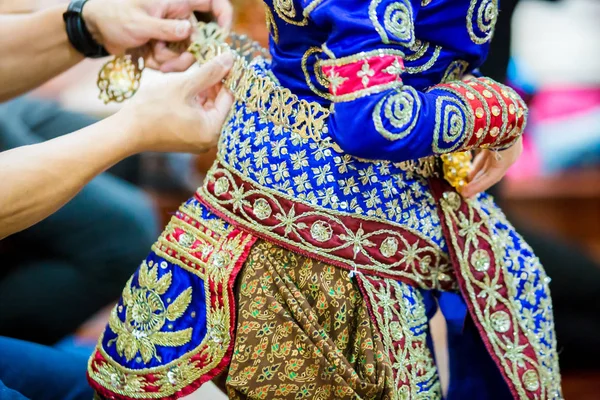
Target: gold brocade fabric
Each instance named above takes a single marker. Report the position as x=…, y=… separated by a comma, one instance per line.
x=303, y=332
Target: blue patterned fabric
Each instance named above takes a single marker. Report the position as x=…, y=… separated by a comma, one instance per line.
x=306, y=170
x=155, y=287
x=438, y=43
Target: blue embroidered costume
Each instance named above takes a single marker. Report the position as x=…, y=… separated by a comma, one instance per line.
x=338, y=156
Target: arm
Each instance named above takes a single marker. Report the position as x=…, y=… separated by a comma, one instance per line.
x=399, y=122
x=37, y=180
x=39, y=48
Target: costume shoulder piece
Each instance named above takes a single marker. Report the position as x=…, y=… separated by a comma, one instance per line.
x=171, y=330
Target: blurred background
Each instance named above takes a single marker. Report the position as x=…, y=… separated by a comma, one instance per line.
x=547, y=50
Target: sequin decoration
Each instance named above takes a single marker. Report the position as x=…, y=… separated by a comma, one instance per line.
x=531, y=380
x=262, y=209
x=399, y=110
x=389, y=247
x=481, y=20
x=151, y=349
x=500, y=321
x=480, y=260
x=119, y=78
x=393, y=20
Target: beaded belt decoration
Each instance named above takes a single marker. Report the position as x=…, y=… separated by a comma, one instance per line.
x=119, y=80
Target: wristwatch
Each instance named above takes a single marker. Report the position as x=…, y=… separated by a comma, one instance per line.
x=78, y=33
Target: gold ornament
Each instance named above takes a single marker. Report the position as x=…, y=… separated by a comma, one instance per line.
x=119, y=78
x=456, y=168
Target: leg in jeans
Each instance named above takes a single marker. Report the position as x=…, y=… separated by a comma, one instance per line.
x=38, y=372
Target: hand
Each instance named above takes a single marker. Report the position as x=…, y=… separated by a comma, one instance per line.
x=124, y=25
x=184, y=113
x=489, y=167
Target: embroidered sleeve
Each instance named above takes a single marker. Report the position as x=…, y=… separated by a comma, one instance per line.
x=379, y=116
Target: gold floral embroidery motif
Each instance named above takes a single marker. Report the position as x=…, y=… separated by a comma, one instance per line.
x=483, y=14
x=205, y=249
x=427, y=266
x=397, y=21
x=146, y=314
x=365, y=74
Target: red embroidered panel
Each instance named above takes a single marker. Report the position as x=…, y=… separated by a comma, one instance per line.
x=341, y=239
x=360, y=73
x=499, y=113
x=484, y=286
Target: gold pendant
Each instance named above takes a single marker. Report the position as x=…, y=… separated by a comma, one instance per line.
x=456, y=169
x=120, y=77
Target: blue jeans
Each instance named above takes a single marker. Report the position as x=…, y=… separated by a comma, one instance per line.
x=36, y=372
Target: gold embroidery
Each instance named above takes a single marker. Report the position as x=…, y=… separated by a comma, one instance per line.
x=335, y=80
x=145, y=312
x=500, y=321
x=365, y=74
x=389, y=247
x=453, y=121
x=272, y=25
x=531, y=380
x=503, y=319
x=412, y=363
x=262, y=209
x=486, y=13
x=286, y=11
x=320, y=230
x=397, y=21
x=481, y=260
x=401, y=110
x=455, y=71
x=420, y=49
x=316, y=72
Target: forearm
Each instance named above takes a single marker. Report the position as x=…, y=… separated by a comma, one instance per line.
x=33, y=49
x=37, y=180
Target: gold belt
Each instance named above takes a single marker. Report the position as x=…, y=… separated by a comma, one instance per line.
x=119, y=80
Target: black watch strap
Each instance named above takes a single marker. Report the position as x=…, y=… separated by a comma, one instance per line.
x=78, y=33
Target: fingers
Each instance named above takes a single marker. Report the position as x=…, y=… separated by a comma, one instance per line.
x=209, y=74
x=167, y=30
x=223, y=103
x=181, y=63
x=488, y=178
x=216, y=113
x=224, y=13
x=478, y=164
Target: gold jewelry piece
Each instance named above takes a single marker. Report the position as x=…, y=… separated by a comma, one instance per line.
x=119, y=78
x=456, y=168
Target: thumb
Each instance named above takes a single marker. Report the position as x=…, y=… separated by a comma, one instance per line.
x=168, y=30
x=209, y=74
